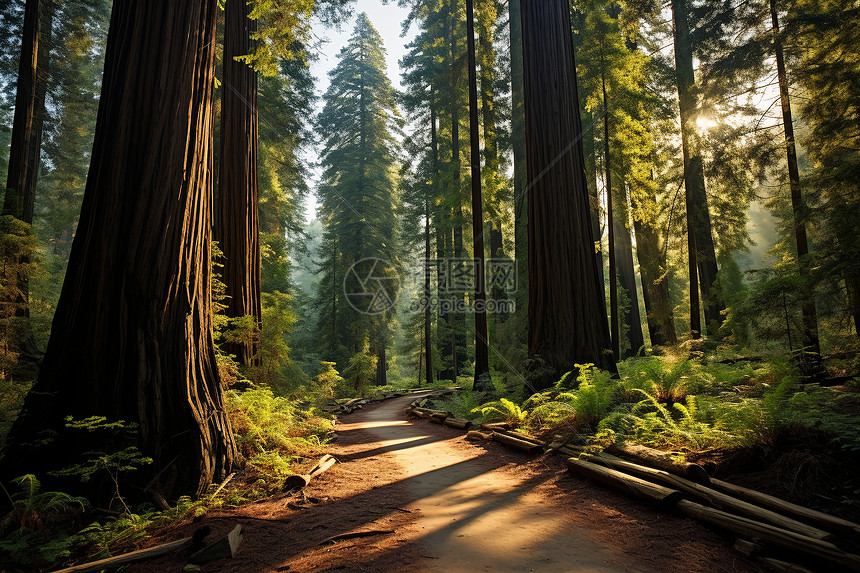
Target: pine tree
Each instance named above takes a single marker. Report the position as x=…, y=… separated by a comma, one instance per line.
x=359, y=201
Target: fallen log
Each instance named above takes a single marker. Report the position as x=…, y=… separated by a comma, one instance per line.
x=823, y=520
x=713, y=497
x=769, y=534
x=494, y=426
x=475, y=435
x=619, y=480
x=459, y=423
x=660, y=460
x=126, y=558
x=440, y=417
x=522, y=436
x=301, y=481
x=220, y=549
x=522, y=445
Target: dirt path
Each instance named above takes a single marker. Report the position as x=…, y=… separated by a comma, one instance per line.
x=436, y=503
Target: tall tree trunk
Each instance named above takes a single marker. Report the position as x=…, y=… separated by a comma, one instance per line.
x=21, y=179
x=812, y=349
x=852, y=284
x=518, y=142
x=627, y=277
x=381, y=365
x=458, y=319
x=700, y=242
x=237, y=229
x=482, y=351
x=614, y=330
x=567, y=314
x=131, y=337
x=590, y=158
x=655, y=285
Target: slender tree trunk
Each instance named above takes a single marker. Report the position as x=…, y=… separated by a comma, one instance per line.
x=458, y=319
x=567, y=315
x=627, y=278
x=591, y=175
x=518, y=142
x=482, y=351
x=381, y=365
x=852, y=284
x=26, y=133
x=811, y=346
x=614, y=329
x=131, y=337
x=237, y=229
x=700, y=242
x=655, y=285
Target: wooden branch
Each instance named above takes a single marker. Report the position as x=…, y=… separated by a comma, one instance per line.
x=823, y=520
x=354, y=534
x=784, y=566
x=770, y=534
x=301, y=481
x=475, y=435
x=220, y=549
x=712, y=496
x=126, y=558
x=660, y=460
x=517, y=443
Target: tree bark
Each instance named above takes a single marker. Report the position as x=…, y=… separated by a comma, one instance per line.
x=798, y=206
x=131, y=337
x=614, y=329
x=700, y=242
x=518, y=142
x=567, y=314
x=627, y=277
x=482, y=351
x=237, y=225
x=655, y=285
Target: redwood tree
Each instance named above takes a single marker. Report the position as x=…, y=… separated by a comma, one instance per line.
x=237, y=222
x=131, y=338
x=567, y=315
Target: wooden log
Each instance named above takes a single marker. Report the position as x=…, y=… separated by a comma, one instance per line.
x=439, y=417
x=823, y=520
x=770, y=534
x=494, y=426
x=746, y=547
x=660, y=460
x=522, y=436
x=126, y=558
x=516, y=443
x=301, y=481
x=713, y=497
x=459, y=423
x=475, y=435
x=626, y=483
x=221, y=549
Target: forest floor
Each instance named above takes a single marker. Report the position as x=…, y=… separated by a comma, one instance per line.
x=431, y=501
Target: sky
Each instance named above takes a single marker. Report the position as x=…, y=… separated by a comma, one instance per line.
x=387, y=20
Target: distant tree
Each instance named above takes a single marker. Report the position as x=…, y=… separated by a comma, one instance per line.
x=567, y=316
x=132, y=338
x=358, y=198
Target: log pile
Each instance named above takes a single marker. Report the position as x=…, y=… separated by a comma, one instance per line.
x=351, y=405
x=763, y=524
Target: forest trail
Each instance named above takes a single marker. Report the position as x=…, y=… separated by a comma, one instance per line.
x=433, y=502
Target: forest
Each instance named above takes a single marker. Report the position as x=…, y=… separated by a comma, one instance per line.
x=602, y=223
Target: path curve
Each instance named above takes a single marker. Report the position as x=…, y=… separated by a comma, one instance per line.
x=429, y=501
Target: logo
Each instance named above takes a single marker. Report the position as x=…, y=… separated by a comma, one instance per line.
x=370, y=286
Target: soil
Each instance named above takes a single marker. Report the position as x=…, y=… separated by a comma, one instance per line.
x=427, y=500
